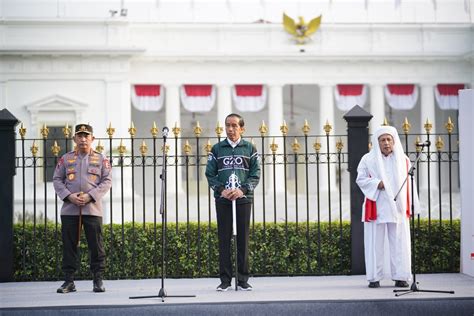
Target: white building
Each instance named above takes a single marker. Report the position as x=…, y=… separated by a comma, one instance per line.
x=71, y=61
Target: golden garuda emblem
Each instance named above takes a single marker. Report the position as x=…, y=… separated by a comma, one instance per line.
x=301, y=31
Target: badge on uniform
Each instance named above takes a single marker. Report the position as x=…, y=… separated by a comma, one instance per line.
x=106, y=163
x=71, y=176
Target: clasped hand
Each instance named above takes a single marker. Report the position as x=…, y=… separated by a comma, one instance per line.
x=232, y=194
x=79, y=199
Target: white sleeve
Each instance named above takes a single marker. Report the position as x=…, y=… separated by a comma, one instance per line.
x=366, y=181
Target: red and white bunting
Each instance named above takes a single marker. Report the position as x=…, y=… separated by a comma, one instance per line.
x=348, y=95
x=198, y=98
x=249, y=98
x=147, y=97
x=447, y=96
x=401, y=96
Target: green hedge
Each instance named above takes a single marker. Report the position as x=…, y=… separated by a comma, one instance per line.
x=192, y=250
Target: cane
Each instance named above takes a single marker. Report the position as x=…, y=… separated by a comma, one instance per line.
x=79, y=228
x=234, y=228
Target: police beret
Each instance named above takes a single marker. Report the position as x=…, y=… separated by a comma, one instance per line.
x=83, y=128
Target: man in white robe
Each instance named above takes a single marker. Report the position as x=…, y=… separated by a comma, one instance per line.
x=380, y=174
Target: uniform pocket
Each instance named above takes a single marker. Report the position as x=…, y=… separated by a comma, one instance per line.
x=93, y=174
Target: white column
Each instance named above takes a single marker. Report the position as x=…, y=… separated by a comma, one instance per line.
x=224, y=103
x=275, y=120
x=119, y=114
x=3, y=94
x=326, y=114
x=172, y=119
x=377, y=106
x=427, y=111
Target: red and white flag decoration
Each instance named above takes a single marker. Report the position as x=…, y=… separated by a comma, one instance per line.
x=348, y=95
x=198, y=97
x=249, y=98
x=147, y=97
x=447, y=96
x=401, y=96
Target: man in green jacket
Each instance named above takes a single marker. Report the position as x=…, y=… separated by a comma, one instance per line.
x=233, y=156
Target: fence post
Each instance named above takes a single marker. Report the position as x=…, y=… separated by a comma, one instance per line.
x=357, y=145
x=7, y=170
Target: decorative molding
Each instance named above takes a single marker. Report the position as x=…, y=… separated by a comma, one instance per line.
x=57, y=105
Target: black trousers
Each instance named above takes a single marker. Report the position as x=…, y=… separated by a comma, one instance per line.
x=224, y=231
x=93, y=231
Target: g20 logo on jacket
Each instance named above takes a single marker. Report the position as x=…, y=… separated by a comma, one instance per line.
x=233, y=162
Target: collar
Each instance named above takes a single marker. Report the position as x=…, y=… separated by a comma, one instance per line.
x=234, y=144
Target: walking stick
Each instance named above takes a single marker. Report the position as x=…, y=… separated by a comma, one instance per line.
x=79, y=228
x=234, y=228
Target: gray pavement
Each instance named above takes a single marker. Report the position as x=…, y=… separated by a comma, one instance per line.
x=266, y=289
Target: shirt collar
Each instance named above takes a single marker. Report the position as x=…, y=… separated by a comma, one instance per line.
x=234, y=144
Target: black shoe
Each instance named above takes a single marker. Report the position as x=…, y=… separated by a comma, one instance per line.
x=244, y=286
x=374, y=285
x=401, y=284
x=224, y=286
x=68, y=286
x=98, y=285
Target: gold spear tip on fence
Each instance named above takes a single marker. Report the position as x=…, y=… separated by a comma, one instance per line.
x=219, y=129
x=406, y=126
x=22, y=131
x=208, y=146
x=317, y=145
x=284, y=128
x=176, y=129
x=327, y=127
x=67, y=131
x=154, y=130
x=263, y=128
x=418, y=141
x=99, y=148
x=110, y=130
x=385, y=122
x=428, y=126
x=187, y=148
x=197, y=129
x=45, y=131
x=449, y=125
x=295, y=146
x=132, y=130
x=339, y=145
x=55, y=149
x=121, y=148
x=306, y=128
x=439, y=144
x=34, y=148
x=273, y=146
x=143, y=148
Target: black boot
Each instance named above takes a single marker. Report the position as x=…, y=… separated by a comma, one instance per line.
x=68, y=285
x=98, y=285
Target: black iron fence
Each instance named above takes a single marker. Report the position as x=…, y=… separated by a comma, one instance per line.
x=301, y=219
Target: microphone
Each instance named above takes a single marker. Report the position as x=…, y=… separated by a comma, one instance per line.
x=427, y=143
x=164, y=132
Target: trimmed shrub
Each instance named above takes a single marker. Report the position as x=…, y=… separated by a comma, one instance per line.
x=134, y=251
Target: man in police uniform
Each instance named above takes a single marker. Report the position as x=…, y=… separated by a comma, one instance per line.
x=82, y=177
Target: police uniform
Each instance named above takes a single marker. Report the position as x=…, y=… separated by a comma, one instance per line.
x=78, y=173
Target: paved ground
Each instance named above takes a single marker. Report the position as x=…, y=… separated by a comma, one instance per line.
x=266, y=289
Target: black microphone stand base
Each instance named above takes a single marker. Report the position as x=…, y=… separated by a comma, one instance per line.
x=162, y=294
x=414, y=288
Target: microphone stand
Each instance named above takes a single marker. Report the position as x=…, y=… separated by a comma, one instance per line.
x=162, y=293
x=414, y=285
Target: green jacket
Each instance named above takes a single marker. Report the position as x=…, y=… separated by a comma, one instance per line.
x=223, y=161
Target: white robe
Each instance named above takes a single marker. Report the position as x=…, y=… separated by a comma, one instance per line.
x=391, y=215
